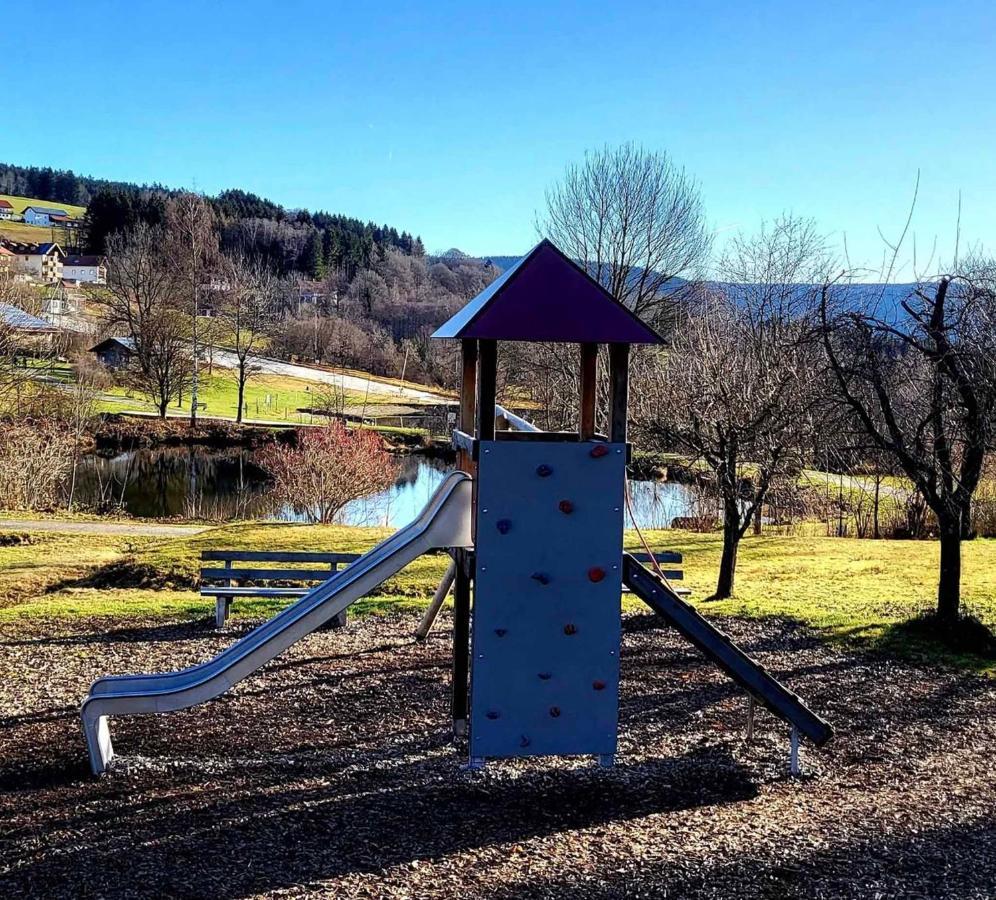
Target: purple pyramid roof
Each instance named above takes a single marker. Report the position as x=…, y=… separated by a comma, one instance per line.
x=546, y=296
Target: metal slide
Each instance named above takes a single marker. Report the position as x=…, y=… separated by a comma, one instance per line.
x=445, y=522
x=726, y=654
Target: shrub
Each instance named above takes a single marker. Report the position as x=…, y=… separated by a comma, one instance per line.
x=34, y=464
x=328, y=467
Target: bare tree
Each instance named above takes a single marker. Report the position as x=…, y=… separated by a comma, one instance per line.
x=193, y=250
x=737, y=386
x=920, y=378
x=247, y=310
x=140, y=298
x=635, y=219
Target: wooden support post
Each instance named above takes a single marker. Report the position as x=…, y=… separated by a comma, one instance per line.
x=619, y=387
x=589, y=377
x=422, y=632
x=339, y=619
x=487, y=388
x=461, y=641
x=468, y=400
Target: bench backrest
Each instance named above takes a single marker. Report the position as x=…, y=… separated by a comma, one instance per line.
x=663, y=557
x=229, y=571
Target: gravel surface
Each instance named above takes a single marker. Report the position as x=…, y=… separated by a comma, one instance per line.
x=332, y=773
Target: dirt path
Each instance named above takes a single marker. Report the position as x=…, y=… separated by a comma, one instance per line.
x=331, y=774
x=141, y=529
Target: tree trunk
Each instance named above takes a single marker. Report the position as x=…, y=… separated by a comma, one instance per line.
x=966, y=520
x=242, y=391
x=163, y=405
x=731, y=544
x=949, y=584
x=876, y=532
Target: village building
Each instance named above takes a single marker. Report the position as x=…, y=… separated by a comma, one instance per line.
x=6, y=210
x=30, y=333
x=45, y=215
x=84, y=269
x=41, y=262
x=114, y=352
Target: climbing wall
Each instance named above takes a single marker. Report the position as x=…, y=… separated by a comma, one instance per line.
x=546, y=626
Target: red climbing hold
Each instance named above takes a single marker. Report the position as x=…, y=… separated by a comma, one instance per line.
x=566, y=507
x=598, y=685
x=598, y=451
x=596, y=574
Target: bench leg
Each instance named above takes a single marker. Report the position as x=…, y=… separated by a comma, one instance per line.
x=337, y=621
x=222, y=609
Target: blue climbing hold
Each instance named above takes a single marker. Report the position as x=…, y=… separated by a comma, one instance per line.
x=503, y=526
x=541, y=577
x=544, y=470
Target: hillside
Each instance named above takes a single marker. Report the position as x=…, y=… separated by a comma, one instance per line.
x=18, y=231
x=21, y=203
x=289, y=240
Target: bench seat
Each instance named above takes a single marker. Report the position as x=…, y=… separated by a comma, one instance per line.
x=224, y=573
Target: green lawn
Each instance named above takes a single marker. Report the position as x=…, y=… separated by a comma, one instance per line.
x=268, y=397
x=850, y=590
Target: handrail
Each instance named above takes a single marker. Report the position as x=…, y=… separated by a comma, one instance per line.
x=516, y=423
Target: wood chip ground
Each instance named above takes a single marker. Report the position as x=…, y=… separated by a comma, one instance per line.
x=332, y=773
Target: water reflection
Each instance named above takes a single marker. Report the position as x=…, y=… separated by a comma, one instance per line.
x=193, y=482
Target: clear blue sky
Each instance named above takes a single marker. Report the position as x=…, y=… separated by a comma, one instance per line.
x=449, y=120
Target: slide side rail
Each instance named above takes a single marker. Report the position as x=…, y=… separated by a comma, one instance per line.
x=719, y=648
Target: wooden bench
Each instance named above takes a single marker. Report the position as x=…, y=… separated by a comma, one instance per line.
x=229, y=577
x=666, y=559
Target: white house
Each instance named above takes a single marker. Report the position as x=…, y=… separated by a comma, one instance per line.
x=40, y=261
x=6, y=210
x=45, y=215
x=87, y=269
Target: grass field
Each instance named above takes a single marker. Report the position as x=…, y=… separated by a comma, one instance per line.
x=31, y=234
x=269, y=397
x=849, y=590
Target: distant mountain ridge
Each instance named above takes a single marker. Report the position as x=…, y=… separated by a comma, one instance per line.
x=892, y=295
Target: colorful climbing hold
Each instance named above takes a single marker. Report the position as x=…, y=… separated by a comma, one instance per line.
x=554, y=711
x=598, y=685
x=503, y=526
x=544, y=471
x=598, y=451
x=570, y=629
x=596, y=574
x=566, y=507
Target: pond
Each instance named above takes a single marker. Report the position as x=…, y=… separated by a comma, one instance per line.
x=221, y=486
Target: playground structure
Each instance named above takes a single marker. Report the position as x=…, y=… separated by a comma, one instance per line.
x=534, y=523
